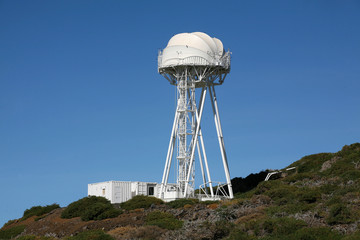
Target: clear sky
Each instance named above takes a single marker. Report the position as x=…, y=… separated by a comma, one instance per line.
x=81, y=100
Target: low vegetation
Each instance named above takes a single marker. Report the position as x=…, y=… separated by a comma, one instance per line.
x=140, y=202
x=163, y=220
x=91, y=208
x=12, y=232
x=33, y=237
x=92, y=235
x=39, y=210
x=179, y=203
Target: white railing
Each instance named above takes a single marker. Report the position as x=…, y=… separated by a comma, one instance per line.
x=223, y=61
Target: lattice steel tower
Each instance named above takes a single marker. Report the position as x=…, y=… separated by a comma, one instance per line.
x=193, y=61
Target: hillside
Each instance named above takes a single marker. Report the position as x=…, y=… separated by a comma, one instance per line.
x=319, y=199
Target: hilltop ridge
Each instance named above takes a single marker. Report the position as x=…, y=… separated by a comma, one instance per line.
x=319, y=199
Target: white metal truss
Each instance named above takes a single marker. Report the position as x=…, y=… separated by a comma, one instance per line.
x=187, y=135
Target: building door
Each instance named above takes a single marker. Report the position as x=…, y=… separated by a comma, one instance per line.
x=151, y=191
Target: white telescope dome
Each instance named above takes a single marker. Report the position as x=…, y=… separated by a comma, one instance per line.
x=195, y=48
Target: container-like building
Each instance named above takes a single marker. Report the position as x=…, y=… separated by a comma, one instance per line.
x=121, y=191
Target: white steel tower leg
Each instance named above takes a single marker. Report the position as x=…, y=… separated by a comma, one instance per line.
x=194, y=140
x=203, y=152
x=169, y=156
x=203, y=148
x=220, y=138
x=206, y=162
x=201, y=163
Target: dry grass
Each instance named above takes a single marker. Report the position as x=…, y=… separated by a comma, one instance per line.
x=143, y=232
x=118, y=233
x=187, y=206
x=213, y=206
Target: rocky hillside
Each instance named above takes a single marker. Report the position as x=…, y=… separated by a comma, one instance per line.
x=318, y=199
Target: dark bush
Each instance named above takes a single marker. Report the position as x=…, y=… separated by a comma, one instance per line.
x=39, y=210
x=94, y=211
x=266, y=186
x=312, y=163
x=111, y=213
x=321, y=233
x=282, y=226
x=282, y=192
x=28, y=237
x=179, y=203
x=11, y=232
x=163, y=220
x=78, y=208
x=354, y=236
x=328, y=188
x=33, y=237
x=308, y=195
x=222, y=229
x=339, y=213
x=91, y=235
x=351, y=175
x=241, y=185
x=239, y=235
x=348, y=149
x=297, y=177
x=209, y=202
x=140, y=201
x=91, y=208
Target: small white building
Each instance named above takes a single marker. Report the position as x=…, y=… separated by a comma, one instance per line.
x=121, y=191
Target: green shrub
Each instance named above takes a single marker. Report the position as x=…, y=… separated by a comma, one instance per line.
x=328, y=188
x=282, y=193
x=312, y=163
x=282, y=226
x=339, y=213
x=91, y=208
x=94, y=211
x=11, y=232
x=351, y=175
x=224, y=213
x=289, y=208
x=91, y=235
x=333, y=200
x=321, y=233
x=179, y=203
x=39, y=210
x=298, y=177
x=266, y=186
x=32, y=237
x=28, y=237
x=9, y=222
x=308, y=195
x=354, y=236
x=349, y=149
x=78, y=208
x=222, y=229
x=163, y=220
x=140, y=201
x=111, y=213
x=208, y=202
x=238, y=234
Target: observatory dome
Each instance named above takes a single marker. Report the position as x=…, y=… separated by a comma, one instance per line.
x=195, y=48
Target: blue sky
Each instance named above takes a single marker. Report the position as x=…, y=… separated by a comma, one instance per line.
x=81, y=100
